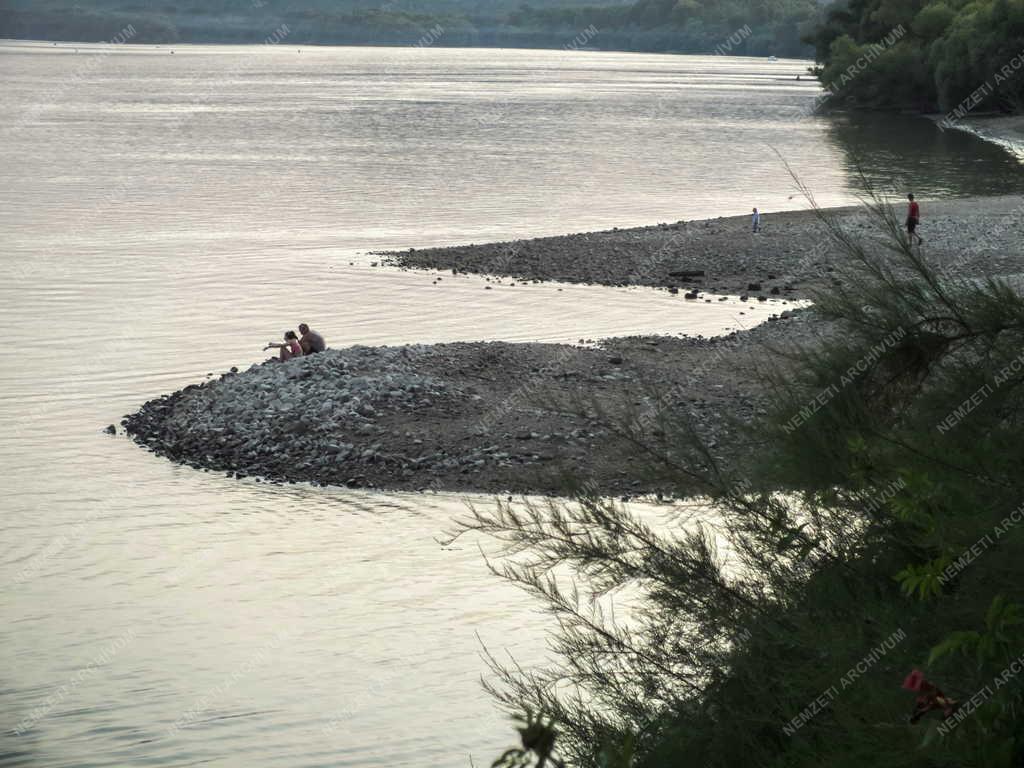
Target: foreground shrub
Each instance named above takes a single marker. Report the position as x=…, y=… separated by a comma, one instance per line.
x=851, y=595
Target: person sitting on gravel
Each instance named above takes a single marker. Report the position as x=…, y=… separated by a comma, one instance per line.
x=311, y=341
x=289, y=349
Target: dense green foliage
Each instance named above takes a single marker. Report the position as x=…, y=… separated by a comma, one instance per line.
x=966, y=54
x=756, y=27
x=866, y=566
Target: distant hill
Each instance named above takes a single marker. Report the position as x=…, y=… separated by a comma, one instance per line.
x=736, y=27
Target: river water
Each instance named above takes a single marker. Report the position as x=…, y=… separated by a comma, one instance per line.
x=162, y=215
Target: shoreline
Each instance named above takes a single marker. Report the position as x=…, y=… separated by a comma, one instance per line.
x=260, y=43
x=789, y=258
x=1007, y=131
x=519, y=418
x=491, y=417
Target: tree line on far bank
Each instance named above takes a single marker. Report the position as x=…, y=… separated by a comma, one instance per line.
x=775, y=27
x=916, y=55
x=950, y=56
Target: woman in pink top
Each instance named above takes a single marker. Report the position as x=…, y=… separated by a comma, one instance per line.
x=289, y=349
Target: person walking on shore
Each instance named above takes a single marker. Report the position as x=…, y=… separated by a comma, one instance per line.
x=755, y=221
x=913, y=219
x=311, y=341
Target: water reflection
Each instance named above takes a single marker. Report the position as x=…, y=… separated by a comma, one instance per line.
x=903, y=153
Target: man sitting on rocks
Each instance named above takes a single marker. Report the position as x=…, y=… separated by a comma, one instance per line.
x=311, y=341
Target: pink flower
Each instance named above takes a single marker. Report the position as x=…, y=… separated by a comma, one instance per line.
x=914, y=681
x=929, y=697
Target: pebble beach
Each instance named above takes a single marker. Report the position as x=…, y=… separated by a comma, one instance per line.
x=523, y=418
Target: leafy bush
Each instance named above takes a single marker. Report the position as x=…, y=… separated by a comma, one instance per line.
x=956, y=53
x=851, y=596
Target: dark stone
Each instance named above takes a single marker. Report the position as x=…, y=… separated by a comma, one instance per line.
x=775, y=291
x=690, y=295
x=616, y=360
x=111, y=429
x=687, y=274
x=754, y=287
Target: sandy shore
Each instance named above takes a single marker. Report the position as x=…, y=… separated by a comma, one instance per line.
x=791, y=254
x=521, y=418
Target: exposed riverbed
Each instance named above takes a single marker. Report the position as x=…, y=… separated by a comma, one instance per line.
x=791, y=255
x=474, y=416
x=523, y=418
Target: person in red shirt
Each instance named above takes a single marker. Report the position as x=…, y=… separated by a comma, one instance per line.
x=913, y=219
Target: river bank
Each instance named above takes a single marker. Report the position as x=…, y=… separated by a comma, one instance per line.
x=790, y=256
x=522, y=418
x=493, y=417
x=1005, y=130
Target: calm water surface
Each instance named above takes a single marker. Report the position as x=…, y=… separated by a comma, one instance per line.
x=162, y=216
